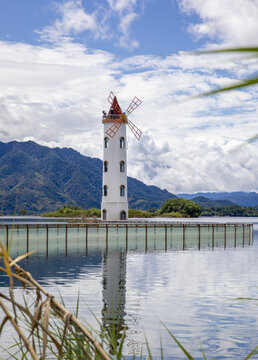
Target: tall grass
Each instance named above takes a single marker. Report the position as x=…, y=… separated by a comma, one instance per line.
x=45, y=329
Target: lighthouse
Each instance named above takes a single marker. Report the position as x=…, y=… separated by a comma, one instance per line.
x=114, y=205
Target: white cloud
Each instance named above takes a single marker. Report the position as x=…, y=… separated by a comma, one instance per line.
x=122, y=5
x=126, y=10
x=74, y=19
x=124, y=26
x=55, y=96
x=232, y=23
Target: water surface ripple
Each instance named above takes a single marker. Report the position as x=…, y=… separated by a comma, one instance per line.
x=193, y=293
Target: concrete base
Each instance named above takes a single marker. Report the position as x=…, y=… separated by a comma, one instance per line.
x=114, y=211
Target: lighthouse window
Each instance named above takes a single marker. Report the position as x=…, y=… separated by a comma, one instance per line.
x=105, y=190
x=123, y=215
x=122, y=166
x=105, y=166
x=106, y=142
x=122, y=143
x=122, y=190
x=104, y=214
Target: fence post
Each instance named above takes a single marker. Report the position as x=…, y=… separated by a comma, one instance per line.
x=199, y=236
x=183, y=237
x=243, y=235
x=46, y=240
x=106, y=238
x=235, y=236
x=171, y=230
x=86, y=240
x=7, y=236
x=66, y=239
x=126, y=237
x=213, y=237
x=166, y=237
x=27, y=228
x=225, y=236
x=146, y=238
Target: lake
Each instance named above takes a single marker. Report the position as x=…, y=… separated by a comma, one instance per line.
x=193, y=293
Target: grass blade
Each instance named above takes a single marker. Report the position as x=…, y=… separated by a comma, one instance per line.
x=161, y=349
x=45, y=326
x=239, y=85
x=179, y=344
x=21, y=257
x=120, y=349
x=230, y=50
x=253, y=352
x=148, y=348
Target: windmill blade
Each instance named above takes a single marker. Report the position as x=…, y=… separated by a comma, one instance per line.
x=114, y=128
x=110, y=97
x=137, y=132
x=134, y=104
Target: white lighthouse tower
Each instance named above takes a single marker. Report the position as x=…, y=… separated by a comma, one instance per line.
x=114, y=205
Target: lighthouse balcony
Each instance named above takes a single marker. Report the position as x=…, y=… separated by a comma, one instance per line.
x=110, y=117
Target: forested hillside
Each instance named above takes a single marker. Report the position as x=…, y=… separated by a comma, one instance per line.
x=238, y=197
x=41, y=179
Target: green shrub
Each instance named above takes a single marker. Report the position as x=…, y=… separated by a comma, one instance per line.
x=74, y=211
x=184, y=207
x=139, y=214
x=173, y=214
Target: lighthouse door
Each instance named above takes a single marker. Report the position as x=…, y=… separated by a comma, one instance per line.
x=123, y=215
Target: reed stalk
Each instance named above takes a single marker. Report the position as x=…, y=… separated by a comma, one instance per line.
x=49, y=322
x=48, y=330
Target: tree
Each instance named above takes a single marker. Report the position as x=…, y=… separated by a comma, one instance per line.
x=23, y=212
x=184, y=207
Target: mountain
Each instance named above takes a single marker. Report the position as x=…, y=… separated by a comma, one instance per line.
x=239, y=198
x=207, y=203
x=41, y=179
x=143, y=197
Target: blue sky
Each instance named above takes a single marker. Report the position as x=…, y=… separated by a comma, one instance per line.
x=60, y=59
x=154, y=36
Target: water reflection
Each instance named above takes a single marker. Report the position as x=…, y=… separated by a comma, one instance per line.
x=193, y=292
x=114, y=294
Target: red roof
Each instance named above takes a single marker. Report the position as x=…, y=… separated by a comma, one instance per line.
x=116, y=107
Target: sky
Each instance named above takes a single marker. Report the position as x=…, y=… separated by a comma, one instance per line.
x=59, y=60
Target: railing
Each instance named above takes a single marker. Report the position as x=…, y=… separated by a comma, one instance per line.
x=111, y=116
x=48, y=238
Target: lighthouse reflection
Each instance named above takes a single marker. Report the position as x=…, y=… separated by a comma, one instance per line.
x=114, y=294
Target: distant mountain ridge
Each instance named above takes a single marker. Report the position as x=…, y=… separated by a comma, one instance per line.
x=239, y=197
x=41, y=179
x=207, y=203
